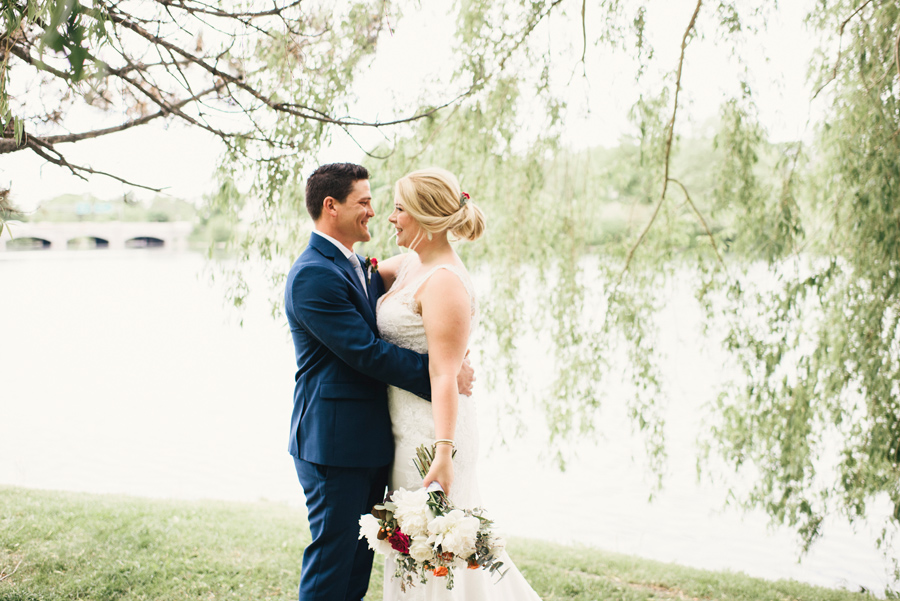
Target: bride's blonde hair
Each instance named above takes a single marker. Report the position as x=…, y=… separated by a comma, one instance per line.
x=433, y=198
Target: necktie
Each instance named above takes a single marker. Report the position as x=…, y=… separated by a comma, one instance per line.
x=362, y=277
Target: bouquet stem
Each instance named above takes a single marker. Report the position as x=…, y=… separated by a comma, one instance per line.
x=423, y=460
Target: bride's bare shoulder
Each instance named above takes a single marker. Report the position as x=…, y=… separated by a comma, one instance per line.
x=444, y=292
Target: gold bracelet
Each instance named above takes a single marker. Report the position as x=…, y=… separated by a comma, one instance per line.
x=443, y=441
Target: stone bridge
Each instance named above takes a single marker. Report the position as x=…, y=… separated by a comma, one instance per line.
x=172, y=235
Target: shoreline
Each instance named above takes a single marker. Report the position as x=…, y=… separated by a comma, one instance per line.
x=56, y=545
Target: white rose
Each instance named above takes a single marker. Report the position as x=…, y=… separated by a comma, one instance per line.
x=420, y=549
x=413, y=512
x=455, y=532
x=369, y=527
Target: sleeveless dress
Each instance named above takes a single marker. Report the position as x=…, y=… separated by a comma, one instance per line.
x=400, y=323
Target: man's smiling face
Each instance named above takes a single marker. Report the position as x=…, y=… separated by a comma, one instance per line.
x=353, y=215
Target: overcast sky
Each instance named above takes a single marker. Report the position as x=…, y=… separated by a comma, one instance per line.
x=417, y=50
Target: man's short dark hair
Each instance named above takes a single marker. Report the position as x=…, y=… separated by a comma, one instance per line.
x=335, y=180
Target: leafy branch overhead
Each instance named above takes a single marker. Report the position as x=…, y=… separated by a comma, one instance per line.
x=264, y=79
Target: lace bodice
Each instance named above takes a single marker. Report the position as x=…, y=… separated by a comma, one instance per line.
x=400, y=323
x=399, y=319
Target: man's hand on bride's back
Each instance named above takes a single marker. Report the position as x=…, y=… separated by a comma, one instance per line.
x=466, y=377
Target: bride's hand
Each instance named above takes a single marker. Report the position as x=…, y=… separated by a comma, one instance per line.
x=441, y=468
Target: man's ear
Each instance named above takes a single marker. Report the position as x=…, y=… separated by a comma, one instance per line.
x=328, y=205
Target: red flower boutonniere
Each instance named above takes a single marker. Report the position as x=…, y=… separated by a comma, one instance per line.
x=371, y=267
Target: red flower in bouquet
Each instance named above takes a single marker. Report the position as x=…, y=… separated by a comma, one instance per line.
x=424, y=532
x=399, y=541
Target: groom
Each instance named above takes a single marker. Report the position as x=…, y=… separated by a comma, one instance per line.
x=341, y=437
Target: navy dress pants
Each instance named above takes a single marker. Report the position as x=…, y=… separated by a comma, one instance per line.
x=337, y=564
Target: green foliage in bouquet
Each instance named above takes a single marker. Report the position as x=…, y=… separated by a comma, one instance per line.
x=485, y=555
x=416, y=529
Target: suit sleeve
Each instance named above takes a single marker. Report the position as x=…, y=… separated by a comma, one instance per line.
x=379, y=284
x=319, y=302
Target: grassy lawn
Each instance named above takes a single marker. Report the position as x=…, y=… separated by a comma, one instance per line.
x=56, y=546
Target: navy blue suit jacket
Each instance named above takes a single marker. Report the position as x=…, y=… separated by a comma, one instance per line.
x=340, y=413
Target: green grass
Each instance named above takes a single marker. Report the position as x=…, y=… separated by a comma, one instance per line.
x=71, y=546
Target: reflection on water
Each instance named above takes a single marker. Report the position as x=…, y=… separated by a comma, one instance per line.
x=124, y=372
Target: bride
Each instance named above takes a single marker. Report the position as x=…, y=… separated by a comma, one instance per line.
x=430, y=308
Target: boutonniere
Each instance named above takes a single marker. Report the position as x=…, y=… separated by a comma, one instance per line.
x=371, y=267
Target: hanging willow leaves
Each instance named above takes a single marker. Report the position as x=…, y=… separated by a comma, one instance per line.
x=814, y=311
x=794, y=244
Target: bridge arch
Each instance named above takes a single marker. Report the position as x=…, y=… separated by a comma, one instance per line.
x=145, y=242
x=87, y=242
x=114, y=235
x=28, y=243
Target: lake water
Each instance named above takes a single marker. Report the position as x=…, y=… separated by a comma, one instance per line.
x=124, y=372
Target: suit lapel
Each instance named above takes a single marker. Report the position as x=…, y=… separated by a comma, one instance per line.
x=329, y=250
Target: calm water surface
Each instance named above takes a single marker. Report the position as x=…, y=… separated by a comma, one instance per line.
x=125, y=373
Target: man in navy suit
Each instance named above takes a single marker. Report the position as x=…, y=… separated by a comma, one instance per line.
x=340, y=436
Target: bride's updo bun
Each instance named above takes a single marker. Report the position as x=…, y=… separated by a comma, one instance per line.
x=433, y=198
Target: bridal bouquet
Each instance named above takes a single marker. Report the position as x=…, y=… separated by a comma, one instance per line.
x=424, y=533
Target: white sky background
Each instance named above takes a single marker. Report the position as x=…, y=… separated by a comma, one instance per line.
x=413, y=60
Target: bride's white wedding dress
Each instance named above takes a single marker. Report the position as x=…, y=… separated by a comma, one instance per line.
x=400, y=323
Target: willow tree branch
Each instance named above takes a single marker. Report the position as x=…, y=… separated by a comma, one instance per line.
x=23, y=54
x=293, y=109
x=44, y=151
x=8, y=145
x=583, y=35
x=837, y=62
x=709, y=233
x=201, y=15
x=210, y=10
x=669, y=137
x=434, y=134
x=521, y=36
x=152, y=92
x=376, y=124
x=365, y=151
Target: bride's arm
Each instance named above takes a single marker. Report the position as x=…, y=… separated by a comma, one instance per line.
x=446, y=314
x=388, y=269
